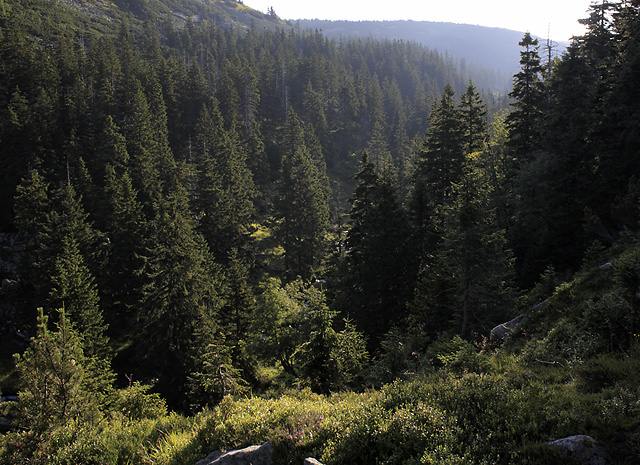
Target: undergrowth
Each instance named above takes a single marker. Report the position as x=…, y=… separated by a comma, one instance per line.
x=572, y=368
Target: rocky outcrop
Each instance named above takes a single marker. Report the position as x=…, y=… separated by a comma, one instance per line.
x=539, y=306
x=252, y=455
x=501, y=331
x=584, y=449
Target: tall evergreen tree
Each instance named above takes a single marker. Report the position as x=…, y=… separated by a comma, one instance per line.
x=525, y=120
x=180, y=294
x=378, y=272
x=224, y=189
x=238, y=310
x=129, y=236
x=139, y=133
x=468, y=287
x=479, y=258
x=74, y=289
x=618, y=163
x=438, y=165
x=474, y=118
x=302, y=206
x=52, y=218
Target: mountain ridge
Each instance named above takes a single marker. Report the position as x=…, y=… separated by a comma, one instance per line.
x=496, y=48
x=88, y=17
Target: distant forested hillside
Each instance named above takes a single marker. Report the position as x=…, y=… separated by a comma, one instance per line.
x=349, y=94
x=493, y=52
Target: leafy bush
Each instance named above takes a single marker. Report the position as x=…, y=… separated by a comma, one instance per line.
x=609, y=370
x=406, y=433
x=136, y=403
x=565, y=345
x=458, y=355
x=402, y=355
x=297, y=423
x=608, y=316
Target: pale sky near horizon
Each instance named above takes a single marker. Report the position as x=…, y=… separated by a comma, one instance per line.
x=558, y=17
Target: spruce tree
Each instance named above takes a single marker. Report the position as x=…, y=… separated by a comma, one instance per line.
x=50, y=217
x=379, y=266
x=53, y=375
x=223, y=185
x=238, y=310
x=476, y=251
x=139, y=133
x=474, y=118
x=301, y=207
x=525, y=121
x=129, y=235
x=75, y=290
x=617, y=133
x=468, y=286
x=32, y=206
x=438, y=165
x=180, y=291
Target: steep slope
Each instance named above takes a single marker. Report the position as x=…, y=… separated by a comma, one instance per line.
x=94, y=17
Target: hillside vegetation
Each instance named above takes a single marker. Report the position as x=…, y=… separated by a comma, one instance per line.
x=491, y=52
x=215, y=235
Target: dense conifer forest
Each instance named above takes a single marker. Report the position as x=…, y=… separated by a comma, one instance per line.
x=218, y=229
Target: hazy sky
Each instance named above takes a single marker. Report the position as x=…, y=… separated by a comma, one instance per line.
x=560, y=17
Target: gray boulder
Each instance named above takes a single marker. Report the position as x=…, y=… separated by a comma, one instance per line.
x=311, y=461
x=539, y=306
x=252, y=455
x=584, y=449
x=501, y=331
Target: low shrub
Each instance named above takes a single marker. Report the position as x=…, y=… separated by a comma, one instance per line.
x=458, y=355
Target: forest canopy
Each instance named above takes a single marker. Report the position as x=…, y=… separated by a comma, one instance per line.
x=193, y=212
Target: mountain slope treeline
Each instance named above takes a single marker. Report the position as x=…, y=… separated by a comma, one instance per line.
x=178, y=202
x=491, y=52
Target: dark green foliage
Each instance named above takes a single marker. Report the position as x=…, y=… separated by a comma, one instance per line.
x=475, y=251
x=474, y=118
x=74, y=289
x=223, y=185
x=238, y=312
x=33, y=204
x=378, y=265
x=457, y=355
x=438, y=165
x=170, y=170
x=214, y=375
x=57, y=225
x=528, y=94
x=179, y=295
x=467, y=267
x=401, y=356
x=577, y=166
x=128, y=236
x=53, y=372
x=441, y=159
x=302, y=208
